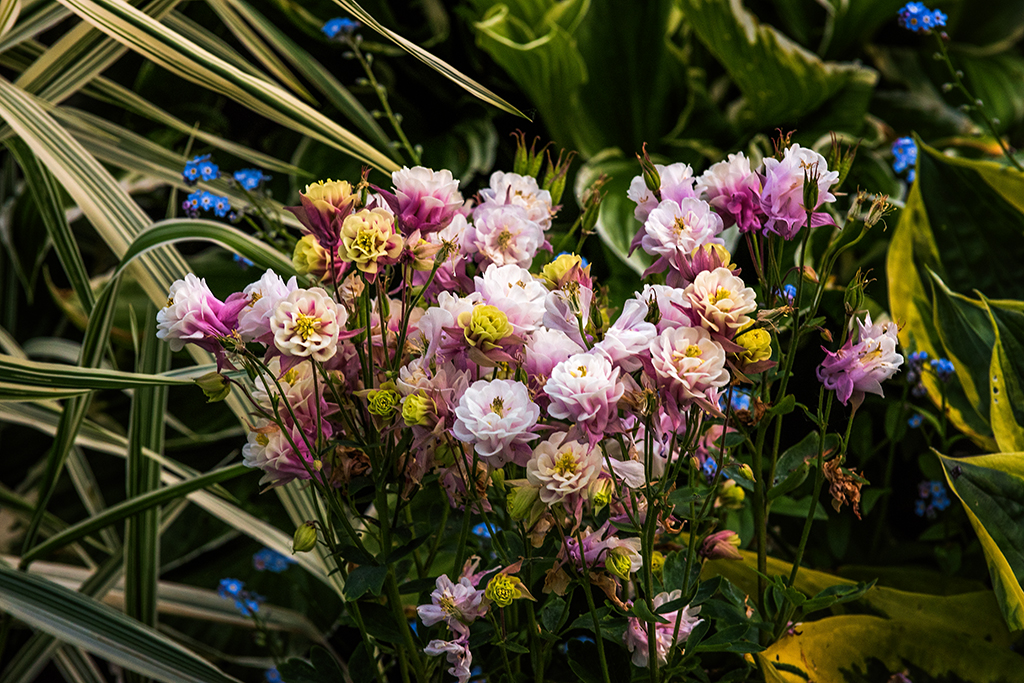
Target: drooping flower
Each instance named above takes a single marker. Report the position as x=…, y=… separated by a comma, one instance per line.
x=423, y=199
x=627, y=341
x=498, y=418
x=270, y=449
x=369, y=240
x=782, y=197
x=732, y=189
x=306, y=323
x=666, y=635
x=856, y=369
x=585, y=389
x=194, y=315
x=561, y=468
x=324, y=206
x=456, y=604
x=458, y=654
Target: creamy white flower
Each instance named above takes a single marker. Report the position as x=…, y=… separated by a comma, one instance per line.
x=585, y=389
x=559, y=468
x=306, y=323
x=676, y=229
x=720, y=301
x=521, y=191
x=504, y=235
x=497, y=417
x=515, y=292
x=689, y=364
x=264, y=295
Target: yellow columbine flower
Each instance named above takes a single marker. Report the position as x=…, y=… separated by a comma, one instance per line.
x=503, y=589
x=757, y=346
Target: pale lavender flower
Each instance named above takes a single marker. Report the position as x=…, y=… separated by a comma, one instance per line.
x=782, y=197
x=666, y=636
x=458, y=653
x=498, y=418
x=690, y=365
x=585, y=389
x=521, y=191
x=514, y=291
x=673, y=230
x=856, y=369
x=270, y=450
x=732, y=189
x=456, y=604
x=503, y=235
x=568, y=311
x=628, y=340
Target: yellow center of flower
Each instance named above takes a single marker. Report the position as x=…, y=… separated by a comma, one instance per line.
x=447, y=605
x=291, y=376
x=566, y=464
x=720, y=293
x=498, y=406
x=170, y=301
x=680, y=225
x=692, y=351
x=262, y=439
x=365, y=241
x=306, y=325
x=256, y=296
x=504, y=237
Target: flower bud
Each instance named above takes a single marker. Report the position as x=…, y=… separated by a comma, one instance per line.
x=601, y=493
x=618, y=562
x=215, y=386
x=554, y=177
x=650, y=172
x=757, y=346
x=853, y=298
x=520, y=501
x=417, y=409
x=721, y=545
x=745, y=472
x=528, y=161
x=555, y=272
x=382, y=402
x=305, y=538
x=498, y=477
x=309, y=258
x=811, y=176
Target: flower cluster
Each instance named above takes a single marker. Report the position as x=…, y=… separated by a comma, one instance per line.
x=271, y=561
x=914, y=16
x=904, y=152
x=246, y=602
x=201, y=200
x=934, y=490
x=200, y=168
x=339, y=28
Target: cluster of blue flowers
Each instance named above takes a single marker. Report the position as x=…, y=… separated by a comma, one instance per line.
x=914, y=16
x=938, y=495
x=250, y=178
x=339, y=28
x=271, y=561
x=246, y=602
x=943, y=369
x=904, y=152
x=201, y=200
x=200, y=168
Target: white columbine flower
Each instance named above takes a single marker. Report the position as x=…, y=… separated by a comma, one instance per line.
x=504, y=235
x=306, y=323
x=498, y=418
x=521, y=191
x=690, y=365
x=720, y=301
x=515, y=292
x=561, y=469
x=264, y=295
x=673, y=230
x=585, y=389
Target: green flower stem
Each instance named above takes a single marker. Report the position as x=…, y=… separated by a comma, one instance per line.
x=973, y=105
x=395, y=601
x=599, y=639
x=353, y=606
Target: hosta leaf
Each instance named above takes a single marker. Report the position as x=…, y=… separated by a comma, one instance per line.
x=97, y=628
x=991, y=488
x=780, y=81
x=1007, y=374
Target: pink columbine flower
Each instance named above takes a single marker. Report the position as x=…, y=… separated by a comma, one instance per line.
x=561, y=468
x=673, y=230
x=666, y=636
x=513, y=290
x=503, y=235
x=627, y=341
x=568, y=310
x=733, y=190
x=720, y=301
x=585, y=389
x=423, y=199
x=673, y=306
x=690, y=365
x=498, y=418
x=676, y=185
x=456, y=604
x=458, y=653
x=451, y=274
x=270, y=449
x=521, y=191
x=262, y=298
x=306, y=323
x=856, y=369
x=782, y=197
x=193, y=315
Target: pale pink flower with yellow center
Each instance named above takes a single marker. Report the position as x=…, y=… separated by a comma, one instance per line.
x=423, y=199
x=514, y=291
x=782, y=197
x=561, y=468
x=674, y=230
x=690, y=365
x=521, y=191
x=585, y=389
x=262, y=296
x=720, y=302
x=504, y=235
x=676, y=185
x=456, y=604
x=498, y=418
x=306, y=324
x=666, y=635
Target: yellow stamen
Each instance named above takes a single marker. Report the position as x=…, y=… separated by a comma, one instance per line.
x=504, y=237
x=262, y=439
x=306, y=325
x=566, y=464
x=692, y=351
x=720, y=293
x=498, y=406
x=170, y=301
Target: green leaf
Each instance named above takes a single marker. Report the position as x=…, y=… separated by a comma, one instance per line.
x=991, y=488
x=197, y=229
x=723, y=639
x=1006, y=373
x=131, y=507
x=780, y=81
x=442, y=67
x=60, y=376
x=76, y=619
x=835, y=595
x=9, y=10
x=643, y=613
x=957, y=215
x=322, y=668
x=365, y=579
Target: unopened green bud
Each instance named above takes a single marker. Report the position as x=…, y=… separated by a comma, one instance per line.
x=215, y=386
x=853, y=298
x=618, y=562
x=554, y=177
x=305, y=538
x=650, y=172
x=498, y=477
x=840, y=159
x=592, y=198
x=731, y=495
x=657, y=562
x=520, y=501
x=745, y=472
x=601, y=493
x=811, y=176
